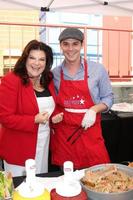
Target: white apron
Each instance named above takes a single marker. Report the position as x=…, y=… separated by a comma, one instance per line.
x=42, y=148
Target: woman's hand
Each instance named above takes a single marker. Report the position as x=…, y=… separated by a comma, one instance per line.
x=42, y=118
x=57, y=118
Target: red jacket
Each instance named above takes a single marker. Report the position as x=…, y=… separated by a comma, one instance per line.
x=18, y=107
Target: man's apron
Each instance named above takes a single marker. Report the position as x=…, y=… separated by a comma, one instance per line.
x=73, y=99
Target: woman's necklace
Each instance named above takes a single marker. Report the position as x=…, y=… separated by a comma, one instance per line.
x=36, y=85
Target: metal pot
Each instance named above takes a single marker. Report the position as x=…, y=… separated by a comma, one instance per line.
x=92, y=195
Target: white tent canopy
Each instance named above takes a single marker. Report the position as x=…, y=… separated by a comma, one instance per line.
x=107, y=7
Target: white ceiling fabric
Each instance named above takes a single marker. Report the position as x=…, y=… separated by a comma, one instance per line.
x=107, y=7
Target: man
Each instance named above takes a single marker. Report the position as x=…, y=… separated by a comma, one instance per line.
x=83, y=91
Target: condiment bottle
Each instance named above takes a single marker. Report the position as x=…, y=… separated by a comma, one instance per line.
x=31, y=188
x=68, y=188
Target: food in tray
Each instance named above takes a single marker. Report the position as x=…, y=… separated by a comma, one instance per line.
x=6, y=185
x=108, y=180
x=122, y=107
x=130, y=164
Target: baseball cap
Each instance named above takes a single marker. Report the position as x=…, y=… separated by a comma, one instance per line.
x=73, y=33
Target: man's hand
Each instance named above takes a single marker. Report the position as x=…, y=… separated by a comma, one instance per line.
x=88, y=119
x=57, y=118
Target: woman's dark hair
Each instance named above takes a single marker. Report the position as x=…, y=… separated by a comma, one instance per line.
x=20, y=66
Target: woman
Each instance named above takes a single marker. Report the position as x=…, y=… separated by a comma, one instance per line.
x=25, y=107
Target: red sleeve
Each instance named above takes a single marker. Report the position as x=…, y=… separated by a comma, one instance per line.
x=52, y=90
x=9, y=99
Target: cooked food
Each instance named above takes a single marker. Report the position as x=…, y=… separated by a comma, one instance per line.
x=6, y=185
x=109, y=180
x=130, y=164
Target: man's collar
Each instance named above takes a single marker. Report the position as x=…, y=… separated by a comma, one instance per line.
x=81, y=63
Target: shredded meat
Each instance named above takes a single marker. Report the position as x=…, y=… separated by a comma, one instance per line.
x=108, y=180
